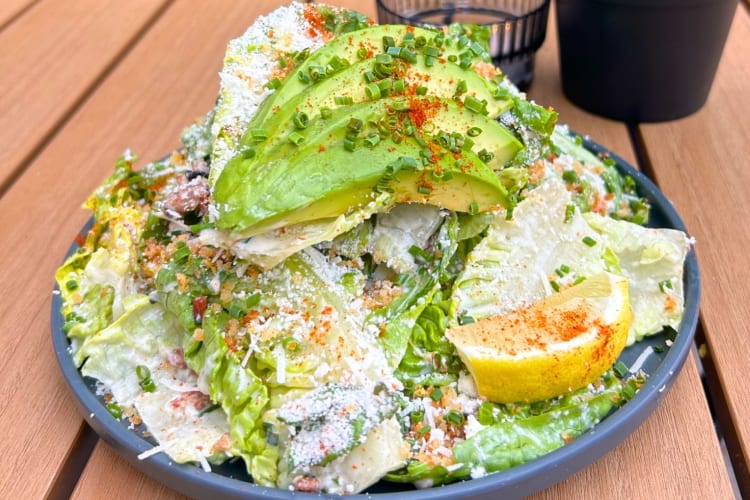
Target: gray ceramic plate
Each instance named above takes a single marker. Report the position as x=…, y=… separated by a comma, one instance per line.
x=231, y=480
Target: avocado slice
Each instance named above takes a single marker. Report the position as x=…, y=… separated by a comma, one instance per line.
x=321, y=178
x=343, y=51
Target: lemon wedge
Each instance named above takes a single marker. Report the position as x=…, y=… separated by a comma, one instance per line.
x=559, y=344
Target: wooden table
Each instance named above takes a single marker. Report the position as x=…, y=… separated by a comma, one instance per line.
x=82, y=80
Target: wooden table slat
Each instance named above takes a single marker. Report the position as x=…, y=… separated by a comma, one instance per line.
x=37, y=53
x=701, y=162
x=10, y=9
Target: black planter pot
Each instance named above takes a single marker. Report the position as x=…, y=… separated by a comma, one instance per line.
x=641, y=60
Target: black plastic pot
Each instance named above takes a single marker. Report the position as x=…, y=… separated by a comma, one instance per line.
x=641, y=60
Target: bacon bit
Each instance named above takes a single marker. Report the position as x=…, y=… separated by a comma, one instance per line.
x=222, y=444
x=307, y=484
x=270, y=33
x=176, y=358
x=199, y=308
x=196, y=399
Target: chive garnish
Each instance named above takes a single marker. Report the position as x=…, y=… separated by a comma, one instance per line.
x=589, y=241
x=301, y=120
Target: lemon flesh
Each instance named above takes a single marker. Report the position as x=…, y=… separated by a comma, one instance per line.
x=559, y=344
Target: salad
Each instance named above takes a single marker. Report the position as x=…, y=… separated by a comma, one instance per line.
x=373, y=259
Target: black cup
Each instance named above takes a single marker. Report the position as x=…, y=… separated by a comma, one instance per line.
x=518, y=26
x=641, y=60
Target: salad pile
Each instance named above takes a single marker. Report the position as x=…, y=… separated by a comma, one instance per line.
x=304, y=285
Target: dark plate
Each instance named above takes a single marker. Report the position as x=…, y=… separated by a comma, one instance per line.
x=231, y=480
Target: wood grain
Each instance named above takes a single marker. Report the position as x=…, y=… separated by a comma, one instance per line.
x=49, y=59
x=701, y=162
x=12, y=8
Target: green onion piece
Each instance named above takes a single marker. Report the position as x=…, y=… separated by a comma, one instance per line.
x=416, y=417
x=579, y=280
x=467, y=144
x=424, y=189
x=372, y=91
x=429, y=61
x=570, y=210
x=463, y=41
x=209, y=409
x=372, y=140
x=431, y=51
x=274, y=84
x=474, y=131
x=421, y=90
x=453, y=58
x=369, y=76
x=383, y=59
x=475, y=105
x=343, y=100
x=663, y=285
x=555, y=285
x=303, y=77
x=476, y=48
x=570, y=176
x=142, y=372
x=420, y=41
x=424, y=430
x=114, y=410
x=258, y=134
x=428, y=127
x=486, y=156
x=282, y=62
x=291, y=345
x=461, y=87
x=147, y=385
x=296, y=138
x=362, y=53
x=473, y=208
x=620, y=369
x=325, y=113
x=436, y=394
x=589, y=241
x=301, y=120
x=454, y=417
x=181, y=254
x=349, y=145
x=301, y=55
x=394, y=51
x=71, y=285
x=408, y=55
x=564, y=268
x=388, y=42
x=317, y=73
x=355, y=124
x=466, y=320
x=398, y=86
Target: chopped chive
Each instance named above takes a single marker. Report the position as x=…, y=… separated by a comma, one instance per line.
x=474, y=131
x=383, y=59
x=420, y=41
x=303, y=77
x=349, y=145
x=355, y=124
x=486, y=156
x=475, y=105
x=258, y=134
x=579, y=280
x=343, y=100
x=564, y=268
x=423, y=430
x=463, y=41
x=466, y=320
x=317, y=73
x=436, y=394
x=421, y=90
x=663, y=285
x=620, y=369
x=282, y=62
x=291, y=345
x=555, y=285
x=429, y=61
x=476, y=48
x=369, y=76
x=301, y=120
x=431, y=51
x=454, y=417
x=142, y=372
x=589, y=241
x=394, y=51
x=473, y=208
x=372, y=91
x=147, y=385
x=461, y=87
x=296, y=138
x=325, y=113
x=362, y=53
x=424, y=190
x=114, y=410
x=274, y=84
x=571, y=176
x=71, y=285
x=408, y=55
x=416, y=417
x=209, y=409
x=453, y=58
x=181, y=254
x=388, y=42
x=398, y=86
x=570, y=210
x=372, y=140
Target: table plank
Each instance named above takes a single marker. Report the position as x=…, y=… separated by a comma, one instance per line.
x=10, y=9
x=702, y=164
x=37, y=52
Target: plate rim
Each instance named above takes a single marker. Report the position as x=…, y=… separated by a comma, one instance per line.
x=515, y=482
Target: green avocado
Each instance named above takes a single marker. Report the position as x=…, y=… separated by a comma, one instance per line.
x=413, y=123
x=346, y=50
